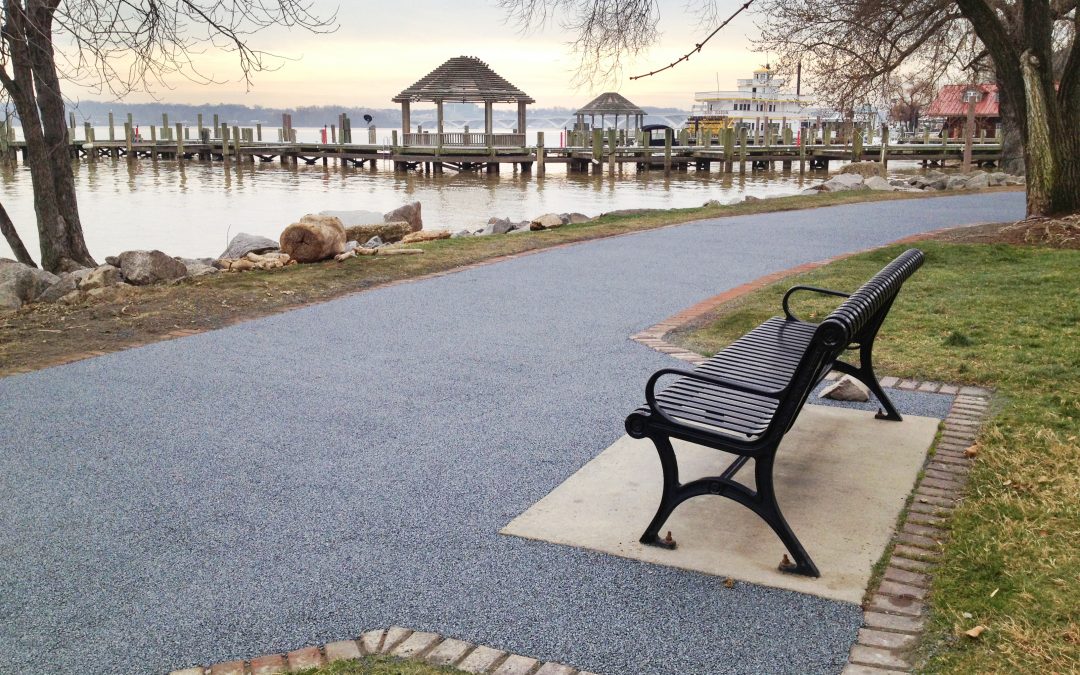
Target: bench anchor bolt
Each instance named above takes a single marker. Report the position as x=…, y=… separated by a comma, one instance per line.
x=785, y=564
x=668, y=541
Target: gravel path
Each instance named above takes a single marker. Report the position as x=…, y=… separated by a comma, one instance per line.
x=305, y=477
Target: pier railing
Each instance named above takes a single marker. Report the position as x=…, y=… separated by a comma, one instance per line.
x=462, y=139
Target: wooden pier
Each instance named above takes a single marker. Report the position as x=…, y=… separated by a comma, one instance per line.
x=464, y=151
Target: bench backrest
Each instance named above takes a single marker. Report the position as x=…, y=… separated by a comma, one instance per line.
x=862, y=311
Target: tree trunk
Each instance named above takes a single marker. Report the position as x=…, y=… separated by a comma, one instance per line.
x=70, y=246
x=1012, y=134
x=8, y=229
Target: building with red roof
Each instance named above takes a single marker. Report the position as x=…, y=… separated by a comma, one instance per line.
x=951, y=105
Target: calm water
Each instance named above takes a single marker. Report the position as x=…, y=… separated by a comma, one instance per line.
x=192, y=209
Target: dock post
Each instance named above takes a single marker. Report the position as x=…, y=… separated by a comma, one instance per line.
x=668, y=134
x=112, y=128
x=612, y=144
x=128, y=133
x=541, y=153
x=258, y=131
x=333, y=133
x=236, y=142
x=86, y=132
x=179, y=141
x=217, y=127
x=371, y=139
x=199, y=125
x=802, y=152
x=597, y=149
x=884, y=146
x=223, y=133
x=826, y=136
x=729, y=148
x=742, y=150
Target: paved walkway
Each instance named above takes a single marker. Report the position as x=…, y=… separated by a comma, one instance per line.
x=304, y=477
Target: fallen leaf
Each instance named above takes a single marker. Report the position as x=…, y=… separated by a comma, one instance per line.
x=966, y=615
x=729, y=583
x=995, y=592
x=972, y=451
x=975, y=632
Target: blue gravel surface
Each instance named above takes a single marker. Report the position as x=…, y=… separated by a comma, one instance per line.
x=346, y=466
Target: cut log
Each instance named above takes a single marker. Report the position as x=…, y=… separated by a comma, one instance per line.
x=314, y=238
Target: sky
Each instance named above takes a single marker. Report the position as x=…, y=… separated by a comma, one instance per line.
x=381, y=47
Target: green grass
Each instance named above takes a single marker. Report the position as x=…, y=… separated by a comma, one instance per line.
x=1008, y=318
x=378, y=665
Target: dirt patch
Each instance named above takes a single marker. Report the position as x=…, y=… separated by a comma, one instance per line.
x=1063, y=232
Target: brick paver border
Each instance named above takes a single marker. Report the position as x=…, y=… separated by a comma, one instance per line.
x=395, y=641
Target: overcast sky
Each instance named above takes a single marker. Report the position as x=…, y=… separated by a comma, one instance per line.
x=381, y=47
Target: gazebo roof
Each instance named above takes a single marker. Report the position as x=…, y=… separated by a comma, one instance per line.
x=610, y=103
x=463, y=78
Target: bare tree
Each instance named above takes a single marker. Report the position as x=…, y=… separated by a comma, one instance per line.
x=117, y=47
x=857, y=49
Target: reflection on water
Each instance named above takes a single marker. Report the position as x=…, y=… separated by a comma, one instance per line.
x=192, y=208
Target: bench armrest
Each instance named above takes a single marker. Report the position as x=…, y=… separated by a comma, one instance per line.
x=650, y=388
x=814, y=289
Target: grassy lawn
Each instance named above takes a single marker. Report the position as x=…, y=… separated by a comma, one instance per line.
x=1006, y=317
x=44, y=334
x=378, y=665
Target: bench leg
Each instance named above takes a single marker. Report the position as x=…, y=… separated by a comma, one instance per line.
x=761, y=501
x=669, y=499
x=865, y=374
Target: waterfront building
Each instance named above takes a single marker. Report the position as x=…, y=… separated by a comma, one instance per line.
x=951, y=107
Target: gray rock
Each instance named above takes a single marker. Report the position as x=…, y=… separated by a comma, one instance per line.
x=977, y=182
x=629, y=212
x=241, y=245
x=497, y=226
x=65, y=285
x=578, y=218
x=938, y=183
x=461, y=233
x=712, y=204
x=20, y=284
x=387, y=232
x=198, y=268
x=863, y=169
x=751, y=198
x=146, y=267
x=351, y=218
x=846, y=388
x=374, y=242
x=409, y=213
x=956, y=182
x=112, y=260
x=878, y=183
x=548, y=221
x=845, y=181
x=100, y=277
x=350, y=245
x=900, y=182
x=998, y=178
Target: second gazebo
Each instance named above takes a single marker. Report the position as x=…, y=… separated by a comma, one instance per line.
x=611, y=105
x=460, y=80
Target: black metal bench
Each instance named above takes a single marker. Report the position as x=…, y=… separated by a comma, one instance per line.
x=745, y=399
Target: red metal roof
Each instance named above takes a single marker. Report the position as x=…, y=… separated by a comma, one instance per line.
x=950, y=101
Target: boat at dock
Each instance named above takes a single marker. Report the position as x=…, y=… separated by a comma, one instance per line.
x=759, y=103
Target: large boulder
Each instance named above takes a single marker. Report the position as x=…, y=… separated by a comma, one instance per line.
x=410, y=213
x=387, y=232
x=314, y=238
x=198, y=267
x=864, y=169
x=548, y=221
x=956, y=182
x=244, y=243
x=880, y=184
x=140, y=268
x=577, y=218
x=497, y=226
x=845, y=181
x=20, y=284
x=425, y=235
x=66, y=284
x=978, y=182
x=100, y=277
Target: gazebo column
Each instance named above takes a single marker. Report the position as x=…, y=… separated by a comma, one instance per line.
x=488, y=118
x=439, y=116
x=406, y=123
x=521, y=117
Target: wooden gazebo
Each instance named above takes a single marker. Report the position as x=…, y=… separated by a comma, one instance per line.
x=463, y=79
x=612, y=105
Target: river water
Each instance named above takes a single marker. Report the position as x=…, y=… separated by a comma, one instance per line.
x=191, y=209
